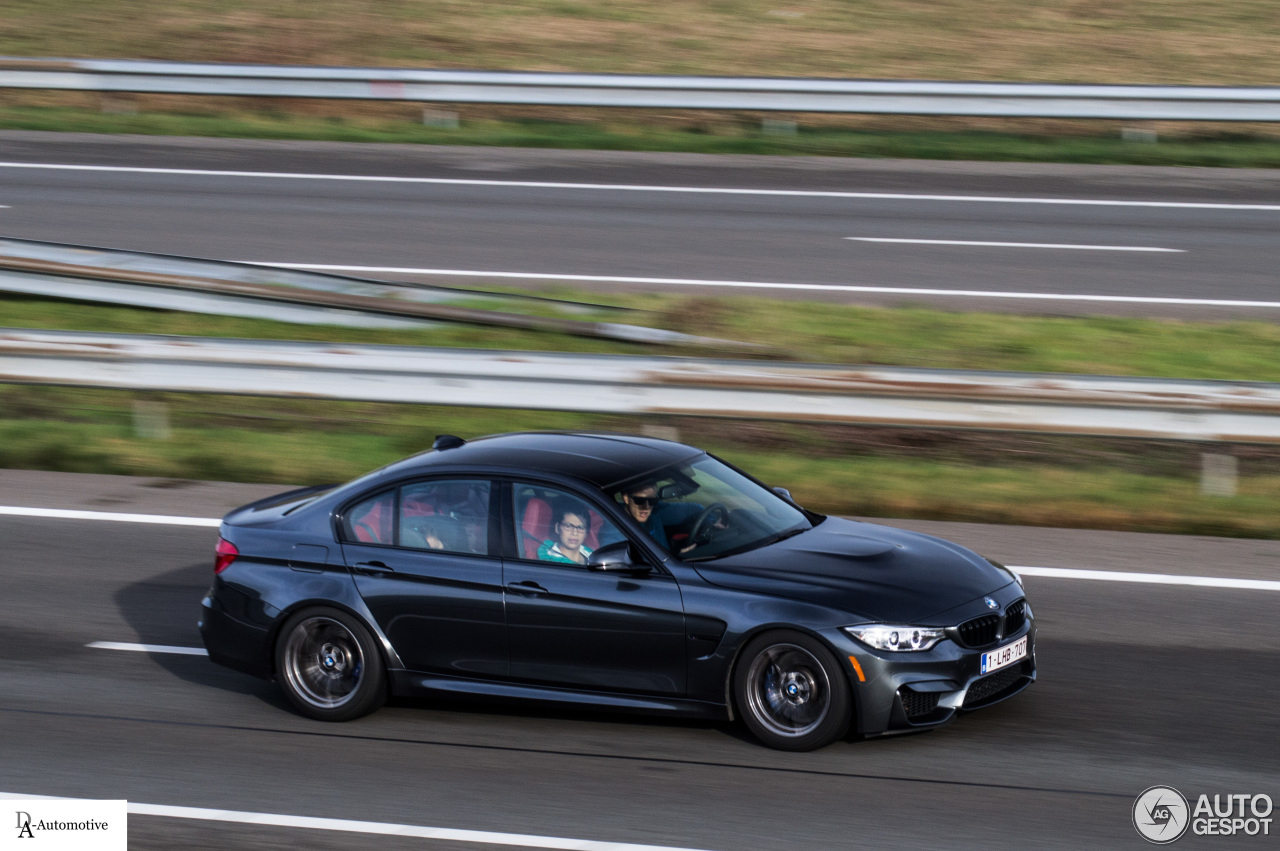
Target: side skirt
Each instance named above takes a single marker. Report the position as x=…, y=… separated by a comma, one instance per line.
x=418, y=684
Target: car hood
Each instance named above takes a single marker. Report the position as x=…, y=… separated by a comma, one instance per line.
x=874, y=572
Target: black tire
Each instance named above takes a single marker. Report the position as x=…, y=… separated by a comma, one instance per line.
x=791, y=692
x=329, y=665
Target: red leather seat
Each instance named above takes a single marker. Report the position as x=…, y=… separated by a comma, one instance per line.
x=593, y=534
x=416, y=508
x=374, y=526
x=535, y=526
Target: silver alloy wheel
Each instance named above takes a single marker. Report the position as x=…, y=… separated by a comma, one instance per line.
x=323, y=662
x=787, y=690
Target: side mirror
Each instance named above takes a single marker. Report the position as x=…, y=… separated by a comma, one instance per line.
x=616, y=558
x=785, y=494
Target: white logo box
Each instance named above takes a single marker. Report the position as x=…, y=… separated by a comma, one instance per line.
x=63, y=824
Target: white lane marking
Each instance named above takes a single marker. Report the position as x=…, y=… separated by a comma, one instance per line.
x=117, y=517
x=148, y=648
x=766, y=285
x=1052, y=572
x=1015, y=244
x=1149, y=578
x=519, y=840
x=624, y=187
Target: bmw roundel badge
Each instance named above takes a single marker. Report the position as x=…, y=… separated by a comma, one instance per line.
x=991, y=604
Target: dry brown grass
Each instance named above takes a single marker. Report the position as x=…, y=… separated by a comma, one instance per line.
x=1140, y=41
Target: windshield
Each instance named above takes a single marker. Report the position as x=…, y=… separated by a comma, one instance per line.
x=705, y=509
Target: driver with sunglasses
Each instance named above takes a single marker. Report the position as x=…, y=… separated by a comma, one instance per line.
x=653, y=515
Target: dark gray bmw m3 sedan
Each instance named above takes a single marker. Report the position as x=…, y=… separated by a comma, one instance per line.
x=612, y=571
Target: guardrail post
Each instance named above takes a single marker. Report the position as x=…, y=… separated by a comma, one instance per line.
x=118, y=103
x=1139, y=134
x=151, y=420
x=661, y=432
x=1218, y=474
x=439, y=119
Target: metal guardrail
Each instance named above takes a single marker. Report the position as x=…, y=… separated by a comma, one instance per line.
x=906, y=97
x=166, y=282
x=1067, y=404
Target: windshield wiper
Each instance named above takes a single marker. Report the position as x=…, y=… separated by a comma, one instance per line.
x=782, y=536
x=754, y=545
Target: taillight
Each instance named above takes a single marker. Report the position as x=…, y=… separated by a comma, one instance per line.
x=226, y=553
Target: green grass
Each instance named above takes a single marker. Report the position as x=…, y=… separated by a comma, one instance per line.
x=1086, y=496
x=306, y=442
x=1221, y=150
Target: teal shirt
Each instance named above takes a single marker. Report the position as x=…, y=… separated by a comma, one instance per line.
x=550, y=551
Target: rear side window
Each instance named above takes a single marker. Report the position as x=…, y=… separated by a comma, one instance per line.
x=371, y=521
x=448, y=515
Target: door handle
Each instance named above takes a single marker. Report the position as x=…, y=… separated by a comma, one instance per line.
x=526, y=589
x=371, y=568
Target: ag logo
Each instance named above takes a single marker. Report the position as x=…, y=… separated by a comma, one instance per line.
x=1160, y=814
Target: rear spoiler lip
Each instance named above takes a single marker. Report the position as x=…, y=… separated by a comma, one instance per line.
x=282, y=498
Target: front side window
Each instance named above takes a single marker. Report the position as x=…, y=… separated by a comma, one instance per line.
x=557, y=526
x=448, y=515
x=705, y=508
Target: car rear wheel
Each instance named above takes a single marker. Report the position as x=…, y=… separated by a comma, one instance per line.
x=791, y=692
x=329, y=665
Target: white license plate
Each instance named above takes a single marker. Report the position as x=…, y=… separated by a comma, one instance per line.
x=994, y=660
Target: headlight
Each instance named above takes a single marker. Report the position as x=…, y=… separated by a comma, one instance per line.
x=897, y=638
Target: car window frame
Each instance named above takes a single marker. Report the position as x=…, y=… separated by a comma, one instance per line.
x=494, y=538
x=511, y=537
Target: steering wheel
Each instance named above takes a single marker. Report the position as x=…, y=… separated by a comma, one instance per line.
x=704, y=528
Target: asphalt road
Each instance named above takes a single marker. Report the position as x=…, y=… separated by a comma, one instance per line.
x=1140, y=685
x=664, y=217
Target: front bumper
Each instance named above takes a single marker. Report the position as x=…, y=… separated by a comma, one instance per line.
x=909, y=691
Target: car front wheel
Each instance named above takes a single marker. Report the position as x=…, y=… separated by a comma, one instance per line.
x=791, y=692
x=329, y=666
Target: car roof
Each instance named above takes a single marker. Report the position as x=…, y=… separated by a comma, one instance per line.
x=599, y=458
